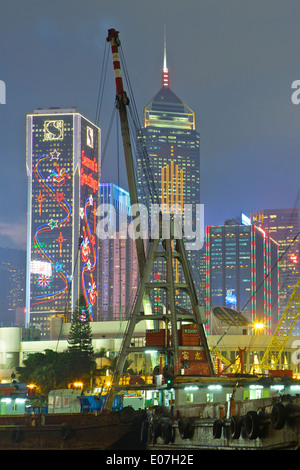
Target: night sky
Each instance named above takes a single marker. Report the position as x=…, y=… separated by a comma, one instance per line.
x=233, y=62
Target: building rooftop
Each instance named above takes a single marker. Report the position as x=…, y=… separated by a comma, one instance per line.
x=55, y=110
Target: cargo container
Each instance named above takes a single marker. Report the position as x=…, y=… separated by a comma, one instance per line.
x=159, y=337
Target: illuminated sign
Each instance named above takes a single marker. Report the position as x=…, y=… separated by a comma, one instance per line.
x=54, y=130
x=88, y=179
x=245, y=220
x=91, y=164
x=89, y=137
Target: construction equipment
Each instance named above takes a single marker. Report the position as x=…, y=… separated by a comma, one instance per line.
x=169, y=249
x=283, y=331
x=236, y=366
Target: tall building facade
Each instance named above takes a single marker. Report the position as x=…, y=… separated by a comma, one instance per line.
x=242, y=273
x=172, y=143
x=63, y=168
x=283, y=226
x=118, y=266
x=170, y=167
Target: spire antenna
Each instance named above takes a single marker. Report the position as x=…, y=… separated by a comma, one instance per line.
x=165, y=73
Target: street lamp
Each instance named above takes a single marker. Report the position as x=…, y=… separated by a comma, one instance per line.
x=258, y=327
x=78, y=385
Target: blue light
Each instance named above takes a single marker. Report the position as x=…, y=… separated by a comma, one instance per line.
x=245, y=220
x=230, y=300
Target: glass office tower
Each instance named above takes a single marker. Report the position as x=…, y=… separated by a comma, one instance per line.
x=63, y=168
x=118, y=266
x=171, y=141
x=168, y=163
x=242, y=273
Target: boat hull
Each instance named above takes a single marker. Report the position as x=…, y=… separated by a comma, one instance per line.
x=71, y=431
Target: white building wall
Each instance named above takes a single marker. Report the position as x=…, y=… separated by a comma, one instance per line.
x=109, y=335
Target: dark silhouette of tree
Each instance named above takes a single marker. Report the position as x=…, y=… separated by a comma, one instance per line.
x=46, y=370
x=80, y=348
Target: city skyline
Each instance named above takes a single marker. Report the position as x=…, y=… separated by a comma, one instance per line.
x=237, y=77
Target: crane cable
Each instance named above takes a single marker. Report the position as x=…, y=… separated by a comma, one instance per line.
x=97, y=120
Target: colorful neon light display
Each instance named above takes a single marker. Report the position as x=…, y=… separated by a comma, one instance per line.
x=89, y=257
x=88, y=180
x=43, y=281
x=63, y=168
x=294, y=258
x=48, y=175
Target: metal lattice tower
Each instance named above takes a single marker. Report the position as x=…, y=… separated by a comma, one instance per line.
x=168, y=248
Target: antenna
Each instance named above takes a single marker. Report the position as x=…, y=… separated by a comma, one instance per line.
x=165, y=73
x=165, y=49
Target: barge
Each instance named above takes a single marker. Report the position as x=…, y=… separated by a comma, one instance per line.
x=72, y=431
x=236, y=423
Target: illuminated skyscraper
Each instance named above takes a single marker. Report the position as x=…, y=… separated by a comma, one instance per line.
x=172, y=144
x=172, y=165
x=283, y=226
x=118, y=267
x=242, y=273
x=63, y=168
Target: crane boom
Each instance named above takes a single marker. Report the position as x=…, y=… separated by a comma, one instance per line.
x=121, y=102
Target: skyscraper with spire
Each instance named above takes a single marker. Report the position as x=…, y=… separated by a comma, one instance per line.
x=172, y=145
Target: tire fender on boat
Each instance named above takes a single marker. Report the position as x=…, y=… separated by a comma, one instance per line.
x=167, y=432
x=185, y=428
x=278, y=416
x=154, y=431
x=235, y=427
x=217, y=428
x=127, y=415
x=144, y=432
x=252, y=423
x=150, y=433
